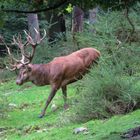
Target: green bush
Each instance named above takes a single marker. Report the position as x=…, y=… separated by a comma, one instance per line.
x=104, y=92
x=113, y=86
x=6, y=75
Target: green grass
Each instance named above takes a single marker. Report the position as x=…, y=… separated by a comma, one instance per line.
x=22, y=121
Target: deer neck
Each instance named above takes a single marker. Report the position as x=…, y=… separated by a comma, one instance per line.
x=40, y=74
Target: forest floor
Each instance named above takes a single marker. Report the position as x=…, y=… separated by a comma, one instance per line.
x=25, y=103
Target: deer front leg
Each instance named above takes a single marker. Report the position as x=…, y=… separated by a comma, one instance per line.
x=51, y=95
x=64, y=92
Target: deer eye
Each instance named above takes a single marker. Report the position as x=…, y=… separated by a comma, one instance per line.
x=29, y=69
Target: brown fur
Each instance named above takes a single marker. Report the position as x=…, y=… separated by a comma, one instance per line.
x=60, y=72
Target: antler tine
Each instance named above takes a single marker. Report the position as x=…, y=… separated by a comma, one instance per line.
x=19, y=44
x=33, y=44
x=37, y=36
x=29, y=38
x=12, y=69
x=36, y=30
x=43, y=35
x=21, y=47
x=40, y=39
x=30, y=55
x=23, y=59
x=11, y=57
x=19, y=39
x=14, y=41
x=9, y=52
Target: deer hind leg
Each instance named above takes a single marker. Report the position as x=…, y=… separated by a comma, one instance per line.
x=51, y=95
x=64, y=92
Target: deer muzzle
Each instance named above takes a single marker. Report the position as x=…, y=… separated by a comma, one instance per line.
x=19, y=82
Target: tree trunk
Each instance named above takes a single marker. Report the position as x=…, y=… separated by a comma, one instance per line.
x=32, y=25
x=77, y=19
x=62, y=26
x=54, y=27
x=93, y=17
x=77, y=24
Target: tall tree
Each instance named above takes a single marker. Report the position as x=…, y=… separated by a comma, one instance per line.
x=32, y=25
x=54, y=28
x=93, y=17
x=77, y=23
x=77, y=18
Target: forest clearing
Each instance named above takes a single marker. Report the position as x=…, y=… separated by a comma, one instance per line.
x=69, y=70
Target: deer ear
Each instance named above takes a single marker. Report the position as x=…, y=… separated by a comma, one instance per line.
x=29, y=67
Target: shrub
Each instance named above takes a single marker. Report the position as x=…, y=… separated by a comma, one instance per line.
x=6, y=75
x=113, y=86
x=104, y=92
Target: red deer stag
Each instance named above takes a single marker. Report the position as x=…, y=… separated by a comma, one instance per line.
x=58, y=73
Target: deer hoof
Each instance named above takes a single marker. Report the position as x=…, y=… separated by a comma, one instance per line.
x=66, y=106
x=41, y=116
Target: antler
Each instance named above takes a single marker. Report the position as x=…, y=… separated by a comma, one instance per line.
x=12, y=59
x=33, y=43
x=18, y=41
x=26, y=57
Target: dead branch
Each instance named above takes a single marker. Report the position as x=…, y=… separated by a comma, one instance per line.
x=55, y=6
x=128, y=19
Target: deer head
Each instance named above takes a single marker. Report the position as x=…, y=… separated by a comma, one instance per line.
x=23, y=65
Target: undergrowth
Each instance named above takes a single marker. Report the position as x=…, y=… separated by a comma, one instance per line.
x=113, y=86
x=104, y=92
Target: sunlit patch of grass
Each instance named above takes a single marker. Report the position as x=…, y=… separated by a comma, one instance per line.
x=22, y=121
x=110, y=129
x=28, y=101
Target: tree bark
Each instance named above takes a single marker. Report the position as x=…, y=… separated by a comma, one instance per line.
x=77, y=19
x=32, y=25
x=57, y=25
x=77, y=24
x=54, y=27
x=93, y=17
